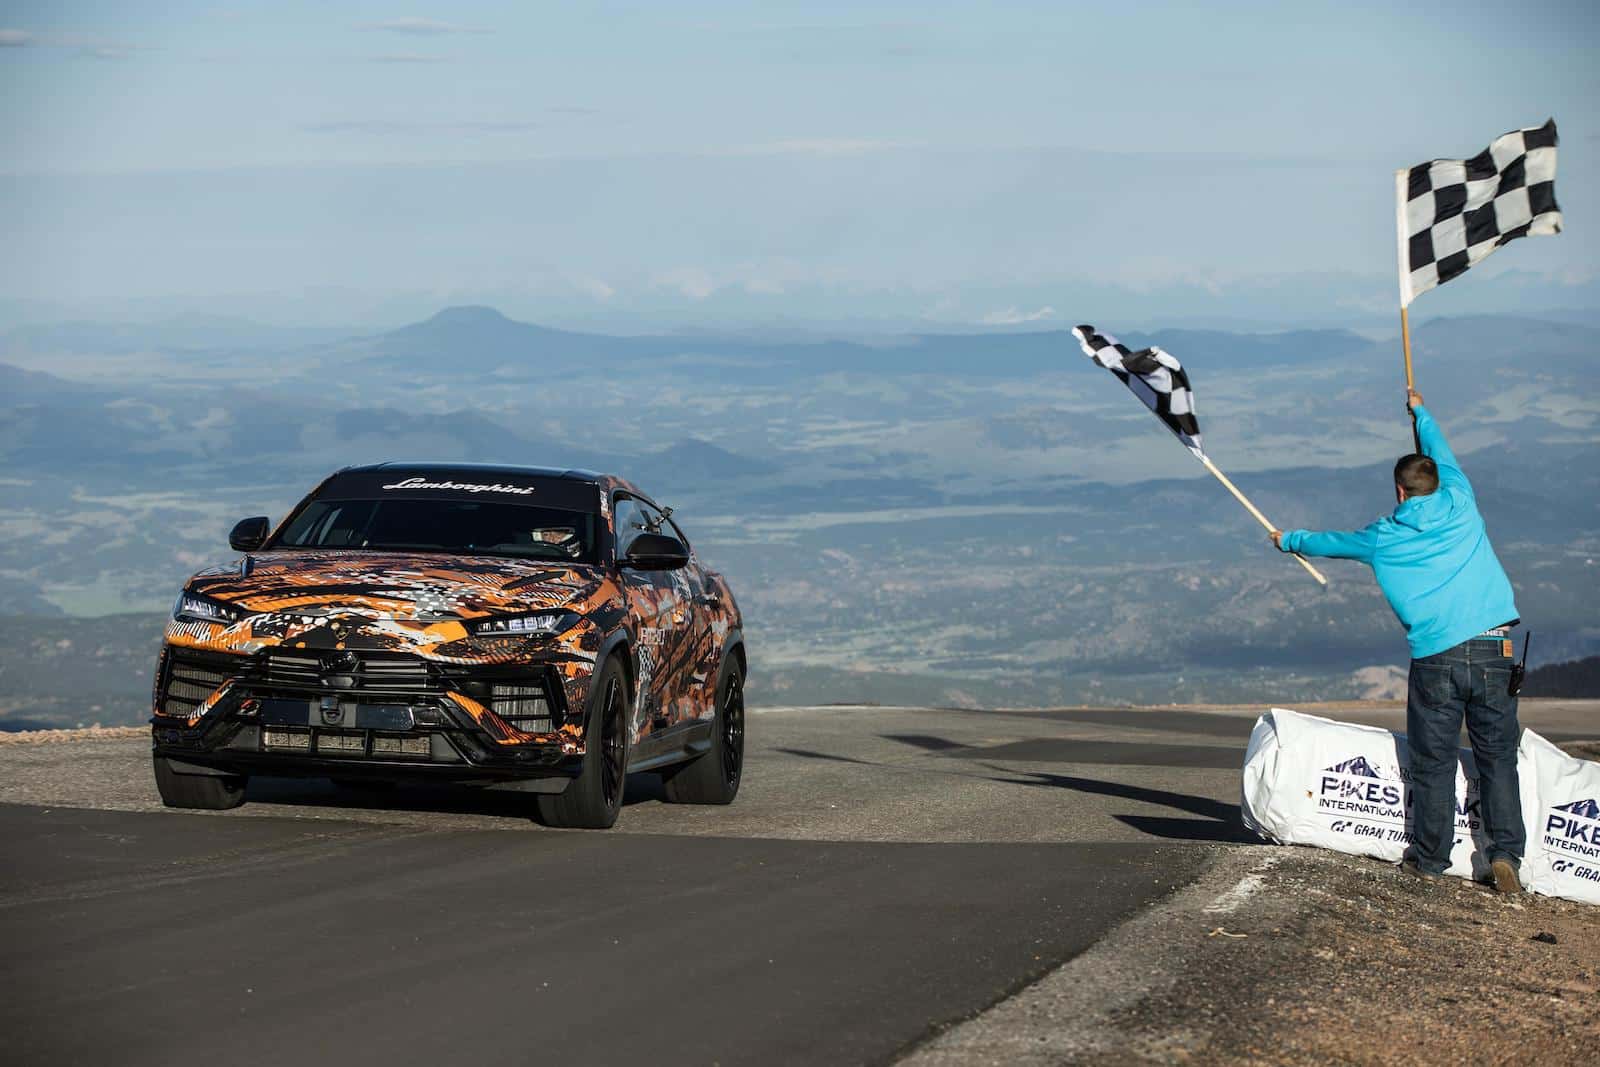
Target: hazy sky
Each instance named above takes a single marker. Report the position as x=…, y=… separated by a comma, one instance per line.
x=960, y=161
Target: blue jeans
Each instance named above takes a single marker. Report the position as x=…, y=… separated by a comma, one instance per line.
x=1471, y=680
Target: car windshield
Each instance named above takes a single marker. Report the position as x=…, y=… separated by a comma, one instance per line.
x=476, y=527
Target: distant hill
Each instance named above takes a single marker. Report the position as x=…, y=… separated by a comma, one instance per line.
x=480, y=338
x=689, y=463
x=1576, y=679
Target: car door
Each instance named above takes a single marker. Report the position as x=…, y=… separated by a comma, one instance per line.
x=698, y=673
x=661, y=604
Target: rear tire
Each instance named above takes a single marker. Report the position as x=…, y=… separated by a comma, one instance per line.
x=206, y=791
x=713, y=777
x=593, y=799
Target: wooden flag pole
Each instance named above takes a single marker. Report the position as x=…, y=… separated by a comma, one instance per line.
x=1405, y=339
x=1251, y=508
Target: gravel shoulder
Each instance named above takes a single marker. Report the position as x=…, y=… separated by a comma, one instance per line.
x=1300, y=956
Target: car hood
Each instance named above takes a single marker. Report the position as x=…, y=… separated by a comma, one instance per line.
x=399, y=586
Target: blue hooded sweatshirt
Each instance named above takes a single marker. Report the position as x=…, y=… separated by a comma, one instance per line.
x=1432, y=557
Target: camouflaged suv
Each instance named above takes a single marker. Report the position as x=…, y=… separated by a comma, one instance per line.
x=516, y=628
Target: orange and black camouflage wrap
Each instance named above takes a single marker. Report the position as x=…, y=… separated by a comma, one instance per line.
x=672, y=628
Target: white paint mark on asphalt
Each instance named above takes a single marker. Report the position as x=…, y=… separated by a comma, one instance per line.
x=1244, y=889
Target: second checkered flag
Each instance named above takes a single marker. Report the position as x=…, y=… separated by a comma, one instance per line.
x=1157, y=378
x=1154, y=376
x=1454, y=212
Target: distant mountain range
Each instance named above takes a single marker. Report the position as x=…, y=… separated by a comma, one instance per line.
x=950, y=518
x=482, y=340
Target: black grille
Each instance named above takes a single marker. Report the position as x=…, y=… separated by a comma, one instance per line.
x=189, y=680
x=324, y=671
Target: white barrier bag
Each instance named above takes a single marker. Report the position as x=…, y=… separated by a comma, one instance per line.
x=1563, y=821
x=1314, y=781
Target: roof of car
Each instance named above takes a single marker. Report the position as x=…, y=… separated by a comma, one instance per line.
x=575, y=475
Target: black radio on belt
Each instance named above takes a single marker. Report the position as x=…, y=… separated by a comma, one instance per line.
x=1519, y=669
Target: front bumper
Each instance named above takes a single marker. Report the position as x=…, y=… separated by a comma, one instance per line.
x=300, y=713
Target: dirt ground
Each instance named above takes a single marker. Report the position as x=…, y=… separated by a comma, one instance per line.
x=1346, y=960
x=1389, y=969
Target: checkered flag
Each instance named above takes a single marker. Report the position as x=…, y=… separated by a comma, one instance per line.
x=1454, y=212
x=1154, y=376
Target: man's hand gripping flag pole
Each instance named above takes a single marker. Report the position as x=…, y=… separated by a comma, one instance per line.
x=1159, y=380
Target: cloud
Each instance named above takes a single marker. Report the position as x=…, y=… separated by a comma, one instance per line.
x=85, y=46
x=405, y=57
x=418, y=27
x=390, y=126
x=692, y=282
x=818, y=146
x=594, y=288
x=1015, y=316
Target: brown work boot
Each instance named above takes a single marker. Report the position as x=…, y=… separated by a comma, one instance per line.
x=1410, y=866
x=1504, y=874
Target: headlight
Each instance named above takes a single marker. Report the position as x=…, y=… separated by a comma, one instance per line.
x=540, y=624
x=192, y=607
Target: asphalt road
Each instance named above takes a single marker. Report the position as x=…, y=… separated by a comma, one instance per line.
x=882, y=874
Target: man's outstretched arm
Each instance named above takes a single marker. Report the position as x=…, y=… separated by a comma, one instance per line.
x=1431, y=440
x=1358, y=544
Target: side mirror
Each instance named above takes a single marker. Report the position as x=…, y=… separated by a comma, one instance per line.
x=656, y=552
x=249, y=534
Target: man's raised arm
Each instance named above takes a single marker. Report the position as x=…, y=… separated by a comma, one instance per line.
x=1430, y=439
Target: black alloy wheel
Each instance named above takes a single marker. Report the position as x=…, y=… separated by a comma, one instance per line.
x=733, y=730
x=592, y=800
x=613, y=745
x=713, y=777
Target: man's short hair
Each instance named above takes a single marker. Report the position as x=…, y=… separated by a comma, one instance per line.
x=1416, y=474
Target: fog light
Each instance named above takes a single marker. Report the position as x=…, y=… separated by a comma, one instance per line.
x=294, y=739
x=399, y=746
x=342, y=744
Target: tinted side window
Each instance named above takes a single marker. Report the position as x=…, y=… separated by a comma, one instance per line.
x=331, y=523
x=634, y=517
x=629, y=518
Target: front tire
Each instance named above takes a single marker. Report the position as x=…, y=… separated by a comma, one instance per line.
x=205, y=791
x=713, y=777
x=593, y=799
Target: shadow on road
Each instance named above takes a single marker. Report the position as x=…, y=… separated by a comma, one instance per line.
x=1220, y=821
x=806, y=753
